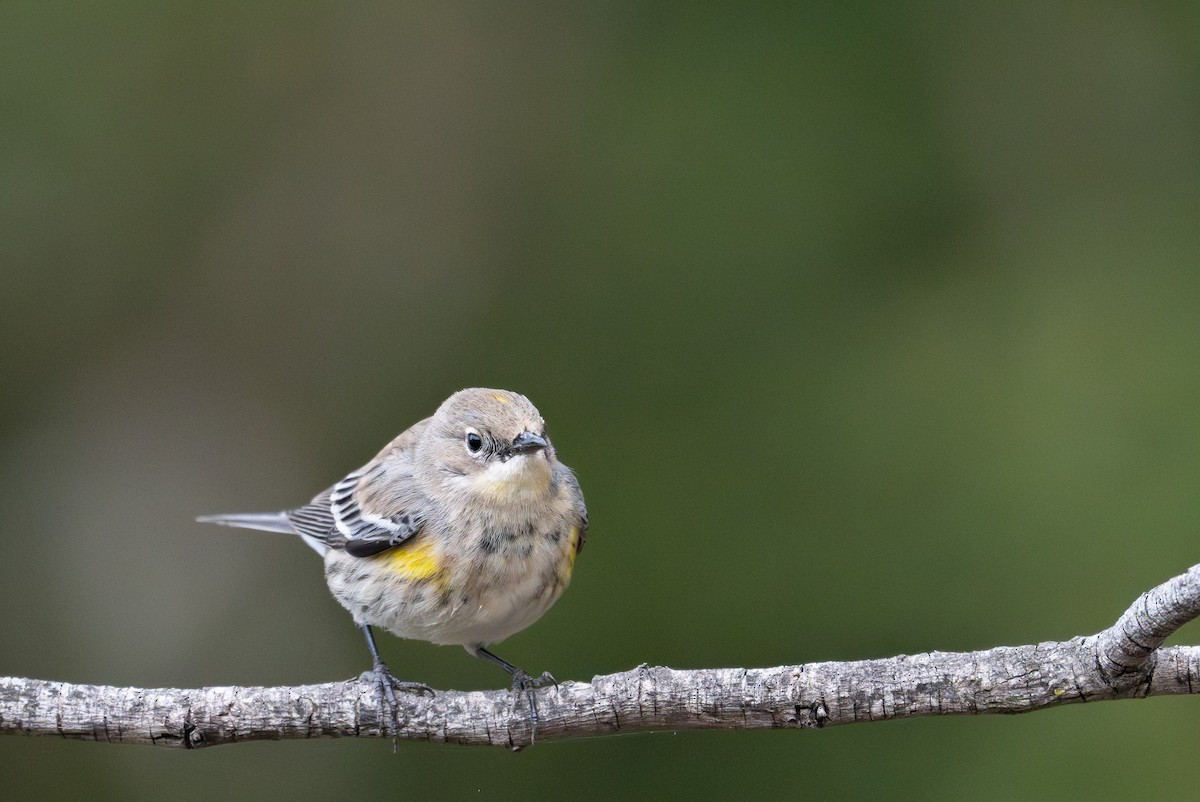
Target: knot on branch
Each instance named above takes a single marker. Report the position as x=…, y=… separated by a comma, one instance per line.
x=1127, y=647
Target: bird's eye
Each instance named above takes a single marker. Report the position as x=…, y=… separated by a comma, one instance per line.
x=474, y=441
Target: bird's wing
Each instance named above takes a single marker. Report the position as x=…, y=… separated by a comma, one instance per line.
x=373, y=509
x=580, y=507
x=337, y=518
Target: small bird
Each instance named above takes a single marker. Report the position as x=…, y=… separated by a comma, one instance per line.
x=463, y=530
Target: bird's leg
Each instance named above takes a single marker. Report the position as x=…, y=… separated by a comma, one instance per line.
x=386, y=686
x=521, y=683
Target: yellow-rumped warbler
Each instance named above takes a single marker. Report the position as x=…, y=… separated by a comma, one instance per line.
x=463, y=530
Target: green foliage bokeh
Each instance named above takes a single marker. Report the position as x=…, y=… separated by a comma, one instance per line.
x=868, y=328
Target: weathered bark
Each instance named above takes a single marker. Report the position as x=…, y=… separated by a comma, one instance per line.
x=1124, y=661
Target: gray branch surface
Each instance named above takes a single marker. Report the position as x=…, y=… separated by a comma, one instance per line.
x=1125, y=661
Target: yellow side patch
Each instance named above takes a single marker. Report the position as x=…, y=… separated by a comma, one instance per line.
x=571, y=552
x=415, y=560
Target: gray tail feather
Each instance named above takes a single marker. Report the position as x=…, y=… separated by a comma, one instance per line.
x=267, y=522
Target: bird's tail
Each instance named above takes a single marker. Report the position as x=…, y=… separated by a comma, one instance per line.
x=267, y=522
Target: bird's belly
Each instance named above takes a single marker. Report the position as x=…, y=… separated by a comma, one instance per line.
x=424, y=593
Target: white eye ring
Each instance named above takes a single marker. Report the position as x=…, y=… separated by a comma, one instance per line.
x=474, y=441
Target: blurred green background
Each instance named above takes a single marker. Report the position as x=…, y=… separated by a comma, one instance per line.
x=869, y=329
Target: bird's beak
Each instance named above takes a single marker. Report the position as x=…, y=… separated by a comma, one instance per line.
x=527, y=443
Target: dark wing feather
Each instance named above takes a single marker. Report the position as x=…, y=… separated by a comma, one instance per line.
x=314, y=519
x=336, y=518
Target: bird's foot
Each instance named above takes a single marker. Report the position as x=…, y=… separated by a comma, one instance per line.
x=522, y=683
x=385, y=690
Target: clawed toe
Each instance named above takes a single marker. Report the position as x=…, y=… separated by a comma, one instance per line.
x=383, y=680
x=522, y=682
x=545, y=681
x=418, y=688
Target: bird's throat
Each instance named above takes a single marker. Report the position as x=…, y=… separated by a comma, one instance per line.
x=519, y=479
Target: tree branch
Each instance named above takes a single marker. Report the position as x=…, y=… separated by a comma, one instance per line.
x=1125, y=661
